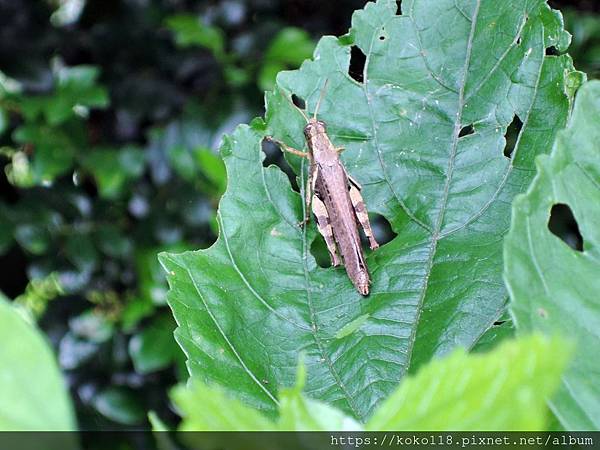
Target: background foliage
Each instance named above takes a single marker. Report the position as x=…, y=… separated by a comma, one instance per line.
x=110, y=116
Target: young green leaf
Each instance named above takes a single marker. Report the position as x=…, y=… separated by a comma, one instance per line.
x=423, y=127
x=32, y=392
x=553, y=287
x=207, y=408
x=501, y=390
x=299, y=413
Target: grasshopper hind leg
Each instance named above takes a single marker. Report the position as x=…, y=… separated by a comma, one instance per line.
x=361, y=214
x=325, y=229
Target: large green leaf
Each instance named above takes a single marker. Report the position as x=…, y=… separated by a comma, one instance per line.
x=555, y=288
x=32, y=391
x=502, y=390
x=248, y=305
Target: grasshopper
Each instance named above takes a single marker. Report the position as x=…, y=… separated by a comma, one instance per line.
x=335, y=199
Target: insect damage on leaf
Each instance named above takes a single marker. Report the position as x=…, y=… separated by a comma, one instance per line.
x=262, y=297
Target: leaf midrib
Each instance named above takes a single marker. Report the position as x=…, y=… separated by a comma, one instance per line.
x=449, y=173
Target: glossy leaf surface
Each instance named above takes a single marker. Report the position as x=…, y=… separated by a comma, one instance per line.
x=423, y=129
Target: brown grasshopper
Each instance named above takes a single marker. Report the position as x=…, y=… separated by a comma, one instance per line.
x=336, y=201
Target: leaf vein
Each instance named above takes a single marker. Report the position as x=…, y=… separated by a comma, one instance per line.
x=229, y=343
x=440, y=219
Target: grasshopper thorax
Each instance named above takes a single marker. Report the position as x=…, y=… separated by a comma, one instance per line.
x=314, y=128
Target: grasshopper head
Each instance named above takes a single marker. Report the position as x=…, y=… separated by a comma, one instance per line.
x=313, y=128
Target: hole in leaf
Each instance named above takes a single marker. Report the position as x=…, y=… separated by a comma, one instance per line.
x=319, y=250
x=298, y=101
x=382, y=230
x=552, y=51
x=398, y=7
x=519, y=40
x=499, y=322
x=562, y=224
x=274, y=156
x=357, y=63
x=466, y=131
x=382, y=38
x=512, y=135
x=271, y=151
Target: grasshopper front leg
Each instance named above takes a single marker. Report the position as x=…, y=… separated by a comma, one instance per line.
x=312, y=175
x=282, y=145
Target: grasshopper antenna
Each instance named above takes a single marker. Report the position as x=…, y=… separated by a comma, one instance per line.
x=323, y=90
x=299, y=110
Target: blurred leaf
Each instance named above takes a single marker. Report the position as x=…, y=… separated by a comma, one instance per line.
x=206, y=408
x=212, y=167
x=151, y=279
x=76, y=89
x=250, y=303
x=156, y=423
x=38, y=293
x=113, y=169
x=35, y=238
x=18, y=171
x=152, y=286
x=236, y=76
x=4, y=121
x=504, y=390
x=74, y=351
x=196, y=128
x=80, y=250
x=113, y=242
x=554, y=288
x=154, y=348
x=119, y=405
x=182, y=161
x=190, y=32
x=288, y=49
x=53, y=151
x=136, y=309
x=298, y=413
x=33, y=395
x=92, y=326
x=586, y=40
